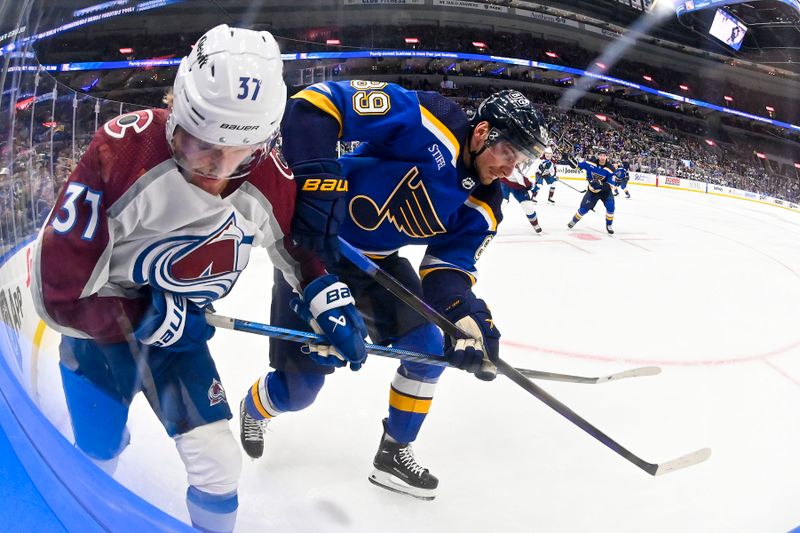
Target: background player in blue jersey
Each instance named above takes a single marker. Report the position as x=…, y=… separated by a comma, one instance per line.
x=423, y=174
x=600, y=178
x=546, y=173
x=622, y=175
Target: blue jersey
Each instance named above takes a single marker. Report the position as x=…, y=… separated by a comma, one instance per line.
x=595, y=171
x=407, y=183
x=621, y=174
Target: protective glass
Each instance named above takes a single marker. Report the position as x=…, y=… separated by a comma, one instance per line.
x=217, y=161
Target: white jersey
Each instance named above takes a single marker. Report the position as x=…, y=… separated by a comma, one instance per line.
x=127, y=219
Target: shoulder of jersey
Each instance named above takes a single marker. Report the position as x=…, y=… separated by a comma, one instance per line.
x=492, y=196
x=128, y=146
x=446, y=111
x=272, y=172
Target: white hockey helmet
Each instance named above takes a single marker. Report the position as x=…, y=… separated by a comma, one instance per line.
x=229, y=90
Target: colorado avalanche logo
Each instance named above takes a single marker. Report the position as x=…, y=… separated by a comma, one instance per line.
x=216, y=393
x=203, y=268
x=137, y=121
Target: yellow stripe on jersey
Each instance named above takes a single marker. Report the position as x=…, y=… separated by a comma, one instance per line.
x=323, y=103
x=441, y=132
x=408, y=404
x=484, y=209
x=427, y=270
x=257, y=400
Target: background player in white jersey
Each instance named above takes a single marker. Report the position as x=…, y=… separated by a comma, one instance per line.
x=155, y=223
x=546, y=172
x=519, y=186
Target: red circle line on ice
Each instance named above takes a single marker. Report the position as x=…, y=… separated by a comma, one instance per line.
x=642, y=361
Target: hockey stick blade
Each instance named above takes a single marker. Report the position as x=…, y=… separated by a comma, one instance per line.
x=632, y=373
x=685, y=461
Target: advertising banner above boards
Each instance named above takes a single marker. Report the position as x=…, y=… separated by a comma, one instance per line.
x=381, y=2
x=471, y=5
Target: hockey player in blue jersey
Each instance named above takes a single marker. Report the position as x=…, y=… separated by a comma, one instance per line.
x=423, y=174
x=546, y=173
x=622, y=175
x=600, y=177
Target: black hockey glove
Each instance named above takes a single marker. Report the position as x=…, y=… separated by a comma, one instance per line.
x=595, y=185
x=320, y=207
x=473, y=316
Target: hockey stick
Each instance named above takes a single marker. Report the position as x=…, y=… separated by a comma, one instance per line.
x=632, y=373
x=294, y=335
x=366, y=265
x=570, y=186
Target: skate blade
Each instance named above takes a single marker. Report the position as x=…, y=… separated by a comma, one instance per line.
x=391, y=483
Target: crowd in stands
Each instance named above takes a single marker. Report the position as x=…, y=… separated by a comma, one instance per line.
x=35, y=164
x=526, y=45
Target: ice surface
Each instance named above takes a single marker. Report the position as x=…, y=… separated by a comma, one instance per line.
x=708, y=288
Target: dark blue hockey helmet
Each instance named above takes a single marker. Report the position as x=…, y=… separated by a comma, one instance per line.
x=512, y=118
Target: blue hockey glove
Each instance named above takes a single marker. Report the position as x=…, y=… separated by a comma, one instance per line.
x=473, y=316
x=330, y=310
x=174, y=323
x=320, y=207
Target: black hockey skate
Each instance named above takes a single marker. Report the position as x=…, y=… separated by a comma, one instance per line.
x=397, y=470
x=627, y=195
x=609, y=229
x=251, y=433
x=571, y=224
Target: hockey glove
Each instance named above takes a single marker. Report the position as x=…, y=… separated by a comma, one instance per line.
x=320, y=207
x=330, y=310
x=174, y=323
x=472, y=316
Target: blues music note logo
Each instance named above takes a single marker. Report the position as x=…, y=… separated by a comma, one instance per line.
x=408, y=208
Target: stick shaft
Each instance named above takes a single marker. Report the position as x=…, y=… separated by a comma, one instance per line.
x=395, y=287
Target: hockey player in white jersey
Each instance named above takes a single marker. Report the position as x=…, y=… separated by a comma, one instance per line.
x=519, y=185
x=156, y=222
x=546, y=172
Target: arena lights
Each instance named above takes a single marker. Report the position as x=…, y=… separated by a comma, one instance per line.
x=709, y=142
x=479, y=44
x=601, y=65
x=450, y=56
x=647, y=78
x=551, y=55
x=728, y=98
x=760, y=155
x=602, y=118
x=412, y=40
x=655, y=128
x=126, y=50
x=770, y=109
x=797, y=165
x=333, y=42
x=683, y=87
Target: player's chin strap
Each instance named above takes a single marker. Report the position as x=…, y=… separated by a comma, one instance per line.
x=473, y=155
x=367, y=266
